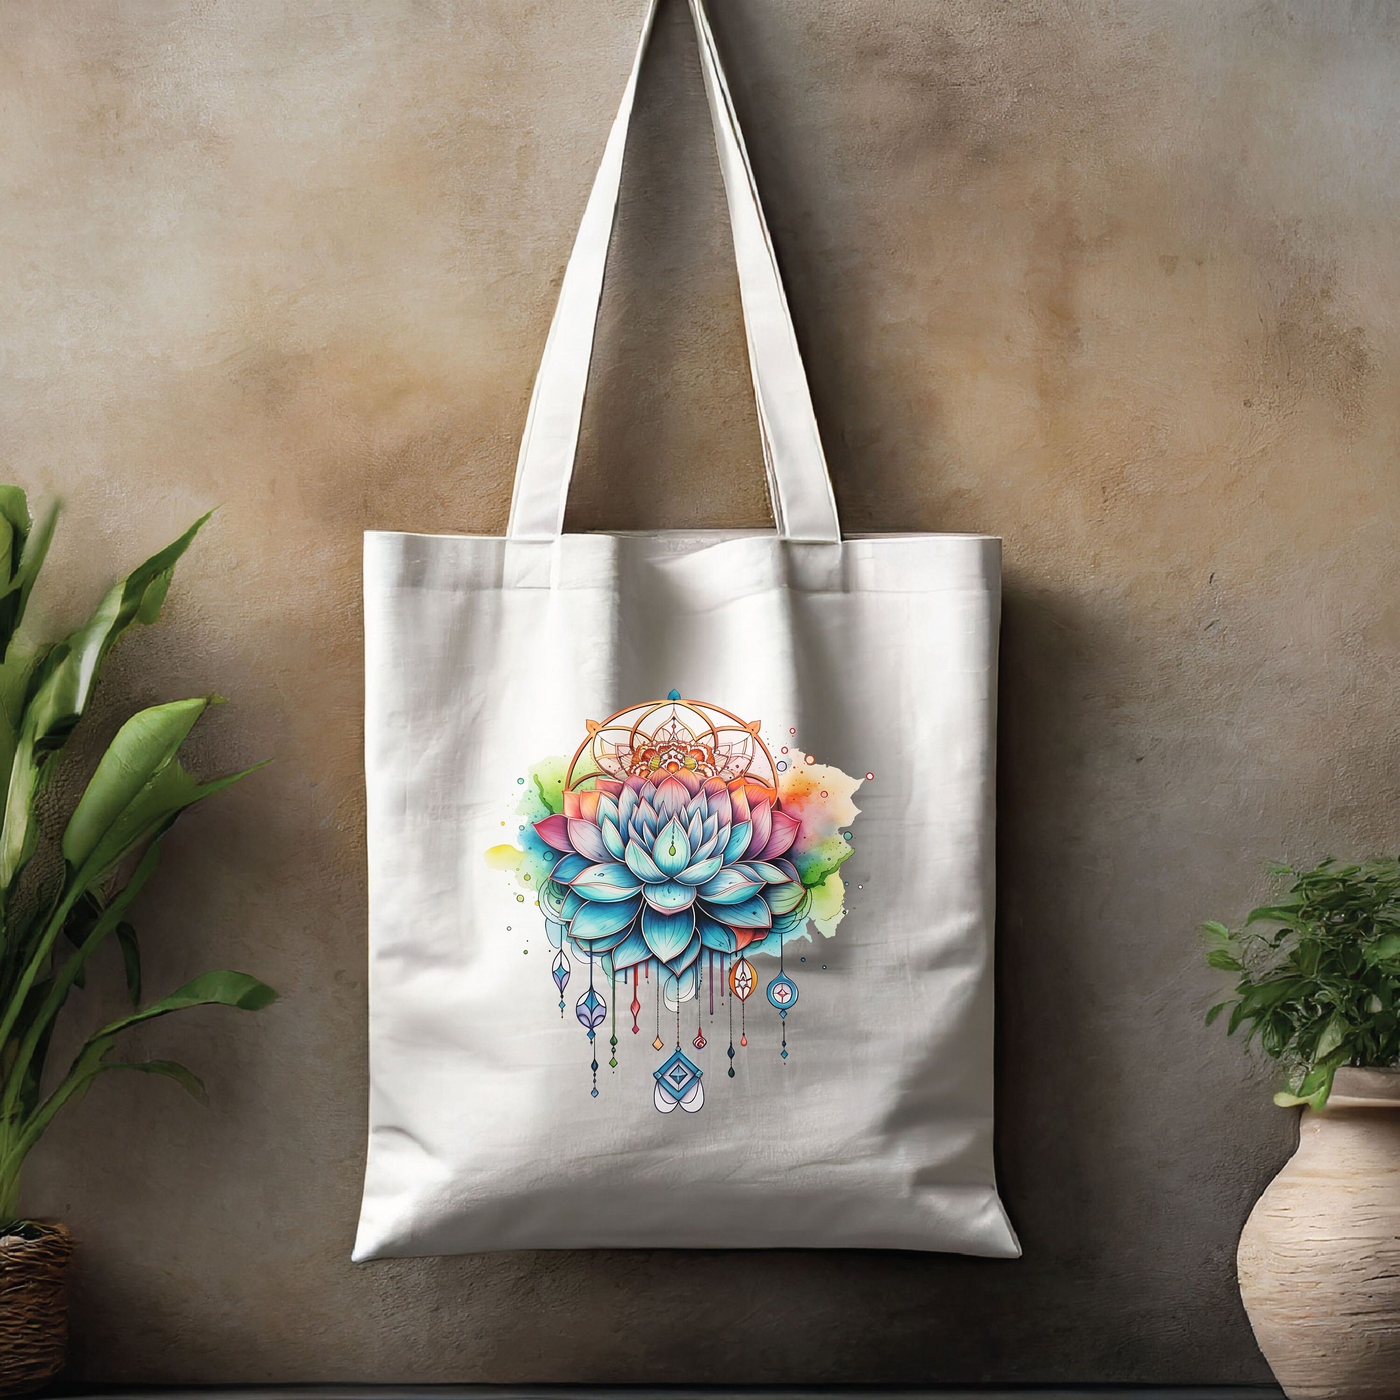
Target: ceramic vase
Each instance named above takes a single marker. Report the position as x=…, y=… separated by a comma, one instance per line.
x=1319, y=1259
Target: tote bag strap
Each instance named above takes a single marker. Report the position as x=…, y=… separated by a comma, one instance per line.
x=799, y=484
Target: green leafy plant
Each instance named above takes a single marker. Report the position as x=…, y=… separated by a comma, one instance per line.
x=67, y=886
x=1319, y=973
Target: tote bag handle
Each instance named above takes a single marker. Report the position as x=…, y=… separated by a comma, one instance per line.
x=799, y=484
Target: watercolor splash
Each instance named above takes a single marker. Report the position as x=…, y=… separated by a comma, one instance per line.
x=820, y=796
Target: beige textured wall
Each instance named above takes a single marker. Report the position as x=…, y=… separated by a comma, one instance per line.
x=1115, y=281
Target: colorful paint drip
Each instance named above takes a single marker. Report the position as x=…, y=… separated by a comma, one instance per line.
x=671, y=845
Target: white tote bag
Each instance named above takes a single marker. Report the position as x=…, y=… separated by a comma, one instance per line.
x=680, y=848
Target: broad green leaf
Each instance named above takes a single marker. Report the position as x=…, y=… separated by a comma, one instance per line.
x=149, y=815
x=1223, y=961
x=16, y=673
x=1333, y=1033
x=22, y=551
x=1216, y=930
x=153, y=599
x=63, y=687
x=14, y=531
x=142, y=749
x=1316, y=1086
x=138, y=790
x=1272, y=913
x=234, y=989
x=1383, y=949
x=171, y=1069
x=131, y=960
x=15, y=522
x=1215, y=1011
x=14, y=599
x=1263, y=995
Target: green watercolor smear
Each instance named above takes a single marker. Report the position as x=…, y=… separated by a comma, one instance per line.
x=816, y=866
x=543, y=797
x=829, y=904
x=547, y=778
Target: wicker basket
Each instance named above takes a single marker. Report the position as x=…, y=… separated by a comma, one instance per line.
x=33, y=1305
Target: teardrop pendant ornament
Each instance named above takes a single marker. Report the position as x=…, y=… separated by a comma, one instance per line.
x=742, y=980
x=591, y=1009
x=782, y=992
x=559, y=969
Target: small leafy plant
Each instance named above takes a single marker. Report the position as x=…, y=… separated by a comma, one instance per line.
x=66, y=886
x=1319, y=973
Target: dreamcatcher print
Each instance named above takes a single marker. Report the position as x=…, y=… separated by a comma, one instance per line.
x=671, y=857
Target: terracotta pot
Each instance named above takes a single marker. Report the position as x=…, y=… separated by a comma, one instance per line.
x=33, y=1306
x=1319, y=1259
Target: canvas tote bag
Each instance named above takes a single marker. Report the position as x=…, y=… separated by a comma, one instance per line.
x=680, y=847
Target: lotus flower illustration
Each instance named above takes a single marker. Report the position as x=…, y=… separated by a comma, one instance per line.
x=673, y=849
x=664, y=866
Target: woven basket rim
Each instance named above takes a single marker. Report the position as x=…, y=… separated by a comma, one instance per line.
x=51, y=1239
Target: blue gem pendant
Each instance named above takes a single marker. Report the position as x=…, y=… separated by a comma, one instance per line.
x=782, y=993
x=678, y=1081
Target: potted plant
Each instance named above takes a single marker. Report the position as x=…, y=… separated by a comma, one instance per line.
x=66, y=887
x=1319, y=1259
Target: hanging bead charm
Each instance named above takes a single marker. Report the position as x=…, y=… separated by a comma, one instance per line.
x=559, y=970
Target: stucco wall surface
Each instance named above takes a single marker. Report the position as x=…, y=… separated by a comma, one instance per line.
x=1114, y=281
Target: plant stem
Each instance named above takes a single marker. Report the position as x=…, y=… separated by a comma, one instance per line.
x=52, y=1005
x=36, y=963
x=9, y=1180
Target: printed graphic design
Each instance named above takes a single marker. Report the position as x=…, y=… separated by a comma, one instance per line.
x=672, y=851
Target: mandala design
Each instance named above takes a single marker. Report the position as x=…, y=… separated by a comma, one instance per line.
x=669, y=852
